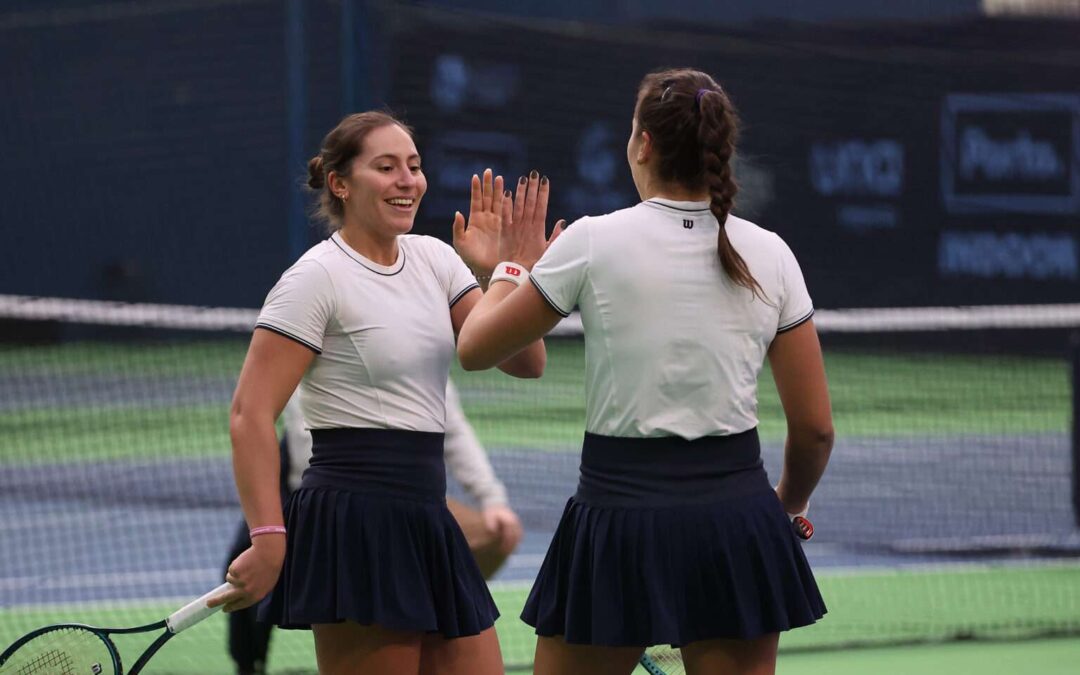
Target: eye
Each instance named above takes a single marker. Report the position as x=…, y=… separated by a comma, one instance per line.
x=386, y=168
x=415, y=169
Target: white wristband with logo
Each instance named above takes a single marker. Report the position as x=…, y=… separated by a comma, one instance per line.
x=509, y=271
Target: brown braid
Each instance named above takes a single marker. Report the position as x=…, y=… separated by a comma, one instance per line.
x=694, y=137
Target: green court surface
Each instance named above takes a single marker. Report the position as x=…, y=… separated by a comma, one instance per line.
x=866, y=610
x=874, y=395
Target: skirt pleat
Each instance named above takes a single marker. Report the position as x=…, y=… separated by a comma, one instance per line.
x=620, y=575
x=376, y=553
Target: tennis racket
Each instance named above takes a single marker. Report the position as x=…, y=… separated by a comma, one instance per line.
x=665, y=660
x=662, y=660
x=77, y=649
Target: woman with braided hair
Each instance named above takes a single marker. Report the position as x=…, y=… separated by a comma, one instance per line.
x=675, y=534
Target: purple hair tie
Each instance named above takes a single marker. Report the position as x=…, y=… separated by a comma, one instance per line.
x=700, y=93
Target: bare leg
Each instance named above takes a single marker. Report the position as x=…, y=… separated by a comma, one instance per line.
x=483, y=544
x=352, y=649
x=555, y=657
x=737, y=657
x=473, y=655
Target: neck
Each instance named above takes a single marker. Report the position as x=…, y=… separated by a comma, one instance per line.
x=379, y=250
x=672, y=191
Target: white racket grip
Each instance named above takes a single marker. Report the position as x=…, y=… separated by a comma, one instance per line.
x=195, y=611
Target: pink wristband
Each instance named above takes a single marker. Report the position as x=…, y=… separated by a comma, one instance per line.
x=266, y=529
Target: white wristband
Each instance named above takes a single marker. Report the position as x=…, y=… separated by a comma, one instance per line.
x=509, y=271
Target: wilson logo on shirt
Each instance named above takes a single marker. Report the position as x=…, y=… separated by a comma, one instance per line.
x=688, y=224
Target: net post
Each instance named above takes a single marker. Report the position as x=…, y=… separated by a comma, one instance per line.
x=1074, y=360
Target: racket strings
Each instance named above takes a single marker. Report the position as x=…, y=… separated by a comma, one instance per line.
x=49, y=661
x=665, y=660
x=64, y=651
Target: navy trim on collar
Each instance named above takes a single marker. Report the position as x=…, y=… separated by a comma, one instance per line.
x=653, y=202
x=359, y=260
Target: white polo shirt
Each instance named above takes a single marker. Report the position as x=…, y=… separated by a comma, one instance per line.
x=382, y=335
x=672, y=345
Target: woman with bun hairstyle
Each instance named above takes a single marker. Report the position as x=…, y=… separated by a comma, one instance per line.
x=368, y=556
x=675, y=535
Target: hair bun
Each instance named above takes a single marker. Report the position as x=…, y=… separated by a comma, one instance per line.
x=316, y=175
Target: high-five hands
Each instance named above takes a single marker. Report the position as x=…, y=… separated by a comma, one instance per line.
x=524, y=238
x=502, y=227
x=477, y=241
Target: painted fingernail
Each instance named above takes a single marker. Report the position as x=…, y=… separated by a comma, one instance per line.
x=523, y=180
x=506, y=193
x=543, y=181
x=534, y=174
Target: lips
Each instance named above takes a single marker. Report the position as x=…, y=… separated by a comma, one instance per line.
x=401, y=202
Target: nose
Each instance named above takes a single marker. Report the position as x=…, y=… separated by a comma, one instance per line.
x=406, y=178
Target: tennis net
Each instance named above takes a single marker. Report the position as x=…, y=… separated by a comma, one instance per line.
x=948, y=510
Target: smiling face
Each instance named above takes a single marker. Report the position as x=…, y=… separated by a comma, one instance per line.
x=385, y=184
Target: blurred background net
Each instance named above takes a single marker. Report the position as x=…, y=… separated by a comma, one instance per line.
x=914, y=155
x=947, y=511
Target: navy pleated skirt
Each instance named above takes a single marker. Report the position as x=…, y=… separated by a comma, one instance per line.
x=370, y=540
x=669, y=541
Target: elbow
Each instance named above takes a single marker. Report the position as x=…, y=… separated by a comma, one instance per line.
x=533, y=369
x=817, y=438
x=469, y=360
x=821, y=437
x=242, y=425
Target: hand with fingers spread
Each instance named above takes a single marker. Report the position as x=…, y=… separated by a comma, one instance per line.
x=477, y=240
x=524, y=233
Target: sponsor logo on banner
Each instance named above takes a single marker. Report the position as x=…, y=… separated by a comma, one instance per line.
x=458, y=83
x=854, y=170
x=1008, y=255
x=1016, y=153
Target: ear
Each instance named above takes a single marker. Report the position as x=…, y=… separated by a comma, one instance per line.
x=336, y=184
x=644, y=149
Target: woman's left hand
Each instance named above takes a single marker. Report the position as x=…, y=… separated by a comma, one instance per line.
x=524, y=232
x=477, y=241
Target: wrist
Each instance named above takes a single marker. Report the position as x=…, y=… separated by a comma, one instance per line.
x=509, y=271
x=264, y=530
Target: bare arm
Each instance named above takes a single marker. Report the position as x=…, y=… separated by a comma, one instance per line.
x=509, y=318
x=503, y=322
x=524, y=359
x=527, y=361
x=272, y=369
x=799, y=372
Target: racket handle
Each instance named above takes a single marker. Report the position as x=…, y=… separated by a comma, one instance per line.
x=195, y=611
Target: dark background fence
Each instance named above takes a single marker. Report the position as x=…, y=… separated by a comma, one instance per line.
x=154, y=152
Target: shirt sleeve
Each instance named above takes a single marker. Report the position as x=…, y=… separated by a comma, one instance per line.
x=796, y=307
x=454, y=273
x=560, y=274
x=466, y=459
x=300, y=305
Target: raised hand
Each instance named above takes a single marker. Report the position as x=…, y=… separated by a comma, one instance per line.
x=477, y=241
x=524, y=233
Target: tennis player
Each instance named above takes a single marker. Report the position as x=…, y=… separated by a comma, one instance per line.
x=674, y=535
x=493, y=531
x=369, y=556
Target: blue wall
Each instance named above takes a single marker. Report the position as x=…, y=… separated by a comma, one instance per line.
x=146, y=151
